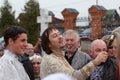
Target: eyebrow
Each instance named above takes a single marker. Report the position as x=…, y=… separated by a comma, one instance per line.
x=55, y=33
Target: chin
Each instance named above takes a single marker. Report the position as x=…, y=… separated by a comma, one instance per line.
x=21, y=53
x=62, y=47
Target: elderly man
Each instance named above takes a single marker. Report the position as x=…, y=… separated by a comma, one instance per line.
x=107, y=70
x=76, y=58
x=29, y=49
x=15, y=41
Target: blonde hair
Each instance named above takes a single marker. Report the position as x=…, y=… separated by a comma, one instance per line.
x=36, y=58
x=116, y=32
x=106, y=38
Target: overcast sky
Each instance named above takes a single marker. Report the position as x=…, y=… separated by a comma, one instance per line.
x=57, y=6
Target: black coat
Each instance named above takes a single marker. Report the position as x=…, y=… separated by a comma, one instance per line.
x=110, y=70
x=27, y=65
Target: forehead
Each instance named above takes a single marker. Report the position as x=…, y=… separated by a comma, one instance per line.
x=29, y=45
x=53, y=31
x=100, y=45
x=36, y=60
x=70, y=35
x=22, y=36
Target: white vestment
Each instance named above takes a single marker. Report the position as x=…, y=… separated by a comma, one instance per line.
x=11, y=68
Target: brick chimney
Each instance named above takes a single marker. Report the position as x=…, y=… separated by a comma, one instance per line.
x=70, y=16
x=97, y=14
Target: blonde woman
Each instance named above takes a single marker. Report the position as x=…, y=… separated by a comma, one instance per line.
x=36, y=61
x=116, y=45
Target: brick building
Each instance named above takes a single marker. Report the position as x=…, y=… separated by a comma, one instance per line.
x=56, y=22
x=69, y=22
x=70, y=16
x=97, y=14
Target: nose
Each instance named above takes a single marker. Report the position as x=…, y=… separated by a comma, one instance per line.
x=61, y=37
x=68, y=41
x=35, y=65
x=25, y=43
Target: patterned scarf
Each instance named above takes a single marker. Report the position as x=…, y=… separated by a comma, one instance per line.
x=97, y=74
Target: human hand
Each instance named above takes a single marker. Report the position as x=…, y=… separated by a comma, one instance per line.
x=101, y=58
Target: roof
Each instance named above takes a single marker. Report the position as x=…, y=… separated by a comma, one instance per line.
x=51, y=13
x=111, y=12
x=71, y=10
x=99, y=7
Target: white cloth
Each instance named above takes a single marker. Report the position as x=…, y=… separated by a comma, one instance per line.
x=56, y=63
x=59, y=76
x=11, y=68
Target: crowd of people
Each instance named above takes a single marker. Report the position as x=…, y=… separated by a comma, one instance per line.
x=57, y=55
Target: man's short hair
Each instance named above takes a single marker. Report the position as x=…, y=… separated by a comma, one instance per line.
x=13, y=32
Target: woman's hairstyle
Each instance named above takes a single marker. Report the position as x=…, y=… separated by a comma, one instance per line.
x=45, y=39
x=36, y=58
x=108, y=39
x=116, y=32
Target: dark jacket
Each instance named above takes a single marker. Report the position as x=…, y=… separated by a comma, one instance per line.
x=27, y=65
x=109, y=70
x=79, y=59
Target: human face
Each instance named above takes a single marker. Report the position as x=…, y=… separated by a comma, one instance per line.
x=98, y=47
x=36, y=67
x=114, y=44
x=72, y=42
x=18, y=46
x=29, y=49
x=56, y=39
x=111, y=50
x=1, y=52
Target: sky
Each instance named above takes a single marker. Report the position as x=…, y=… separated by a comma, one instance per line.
x=57, y=6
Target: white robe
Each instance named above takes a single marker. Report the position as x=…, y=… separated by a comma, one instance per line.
x=11, y=68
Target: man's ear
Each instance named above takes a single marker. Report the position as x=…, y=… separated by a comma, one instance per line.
x=78, y=43
x=10, y=41
x=91, y=52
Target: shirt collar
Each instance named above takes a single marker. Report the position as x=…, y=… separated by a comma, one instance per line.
x=57, y=53
x=11, y=53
